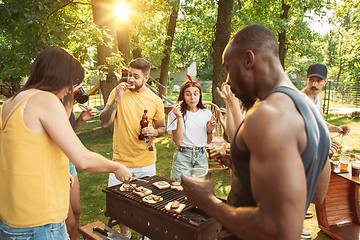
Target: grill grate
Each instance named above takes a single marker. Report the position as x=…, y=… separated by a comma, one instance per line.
x=194, y=217
x=153, y=220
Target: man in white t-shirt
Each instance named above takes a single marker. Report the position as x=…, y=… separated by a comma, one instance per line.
x=316, y=78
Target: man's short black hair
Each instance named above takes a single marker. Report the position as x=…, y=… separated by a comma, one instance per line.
x=256, y=37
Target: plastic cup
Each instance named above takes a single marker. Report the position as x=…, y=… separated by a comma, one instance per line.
x=344, y=162
x=335, y=166
x=196, y=173
x=355, y=169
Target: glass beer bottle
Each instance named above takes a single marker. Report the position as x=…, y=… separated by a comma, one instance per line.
x=144, y=123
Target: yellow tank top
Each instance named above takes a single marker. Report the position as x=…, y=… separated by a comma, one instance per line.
x=34, y=174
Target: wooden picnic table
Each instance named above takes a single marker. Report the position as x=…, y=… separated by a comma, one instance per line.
x=338, y=216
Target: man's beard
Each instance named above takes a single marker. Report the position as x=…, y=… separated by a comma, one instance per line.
x=245, y=98
x=314, y=89
x=136, y=88
x=247, y=102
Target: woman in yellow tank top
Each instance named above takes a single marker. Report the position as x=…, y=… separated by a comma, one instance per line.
x=36, y=142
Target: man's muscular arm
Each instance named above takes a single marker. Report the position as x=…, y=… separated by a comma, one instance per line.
x=107, y=115
x=322, y=186
x=160, y=127
x=157, y=131
x=160, y=131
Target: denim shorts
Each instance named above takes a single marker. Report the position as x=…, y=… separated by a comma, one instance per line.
x=186, y=158
x=54, y=231
x=72, y=168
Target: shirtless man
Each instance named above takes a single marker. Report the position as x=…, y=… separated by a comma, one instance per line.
x=279, y=167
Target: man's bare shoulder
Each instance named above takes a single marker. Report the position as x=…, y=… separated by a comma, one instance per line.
x=272, y=108
x=276, y=117
x=271, y=125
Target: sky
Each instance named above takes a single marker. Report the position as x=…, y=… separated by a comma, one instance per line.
x=318, y=25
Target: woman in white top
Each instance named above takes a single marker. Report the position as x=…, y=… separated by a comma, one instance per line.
x=191, y=125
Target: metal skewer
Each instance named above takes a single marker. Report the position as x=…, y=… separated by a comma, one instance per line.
x=84, y=107
x=132, y=186
x=142, y=180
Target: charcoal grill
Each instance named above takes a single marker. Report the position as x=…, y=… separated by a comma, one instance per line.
x=153, y=220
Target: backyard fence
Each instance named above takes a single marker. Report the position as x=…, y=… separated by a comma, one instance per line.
x=344, y=92
x=341, y=92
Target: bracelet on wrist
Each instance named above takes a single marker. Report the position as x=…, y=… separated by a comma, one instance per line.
x=208, y=133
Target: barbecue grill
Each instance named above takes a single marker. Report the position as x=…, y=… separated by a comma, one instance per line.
x=153, y=220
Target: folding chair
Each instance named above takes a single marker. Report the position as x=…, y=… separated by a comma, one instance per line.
x=218, y=139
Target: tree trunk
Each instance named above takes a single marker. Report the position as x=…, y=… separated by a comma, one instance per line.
x=137, y=51
x=168, y=44
x=282, y=35
x=340, y=67
x=222, y=36
x=101, y=18
x=123, y=38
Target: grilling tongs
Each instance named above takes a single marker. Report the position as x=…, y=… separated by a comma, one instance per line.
x=105, y=232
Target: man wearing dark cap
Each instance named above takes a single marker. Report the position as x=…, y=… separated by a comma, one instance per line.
x=316, y=78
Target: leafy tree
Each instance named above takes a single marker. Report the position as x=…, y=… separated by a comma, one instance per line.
x=107, y=51
x=195, y=33
x=286, y=18
x=168, y=44
x=347, y=32
x=29, y=26
x=222, y=35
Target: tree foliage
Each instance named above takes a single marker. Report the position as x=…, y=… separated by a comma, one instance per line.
x=346, y=38
x=29, y=26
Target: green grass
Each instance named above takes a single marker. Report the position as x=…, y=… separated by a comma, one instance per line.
x=334, y=104
x=99, y=140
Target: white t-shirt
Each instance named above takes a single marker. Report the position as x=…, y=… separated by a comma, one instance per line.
x=195, y=133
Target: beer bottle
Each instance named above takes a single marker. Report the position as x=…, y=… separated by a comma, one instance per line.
x=144, y=123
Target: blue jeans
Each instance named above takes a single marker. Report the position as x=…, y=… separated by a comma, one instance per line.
x=54, y=231
x=186, y=158
x=72, y=169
